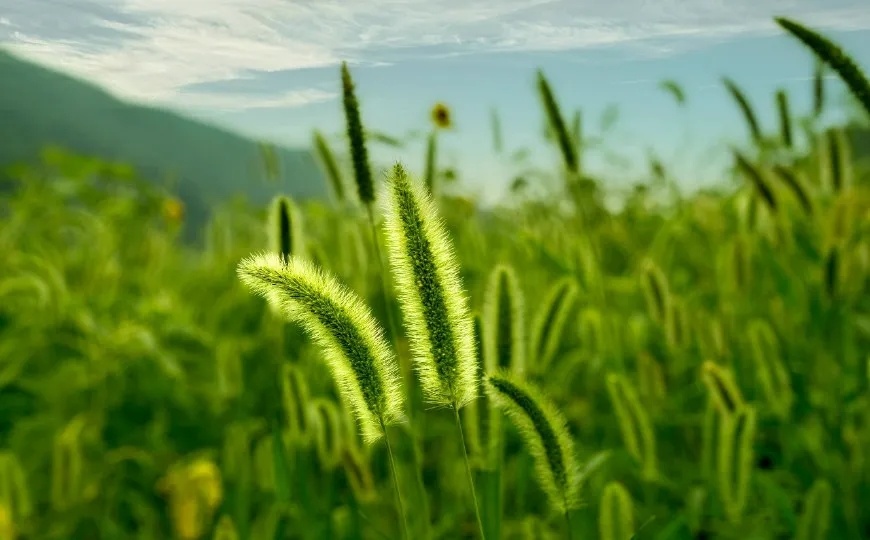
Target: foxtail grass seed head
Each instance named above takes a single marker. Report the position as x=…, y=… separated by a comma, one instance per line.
x=285, y=227
x=545, y=431
x=431, y=165
x=359, y=474
x=328, y=434
x=818, y=88
x=785, y=128
x=634, y=424
x=14, y=491
x=504, y=311
x=556, y=123
x=225, y=529
x=839, y=159
x=549, y=322
x=735, y=461
x=356, y=135
x=724, y=391
x=434, y=304
x=655, y=288
x=294, y=398
x=363, y=366
x=834, y=56
x=796, y=185
x=772, y=373
x=815, y=520
x=330, y=166
x=745, y=108
x=616, y=514
x=758, y=179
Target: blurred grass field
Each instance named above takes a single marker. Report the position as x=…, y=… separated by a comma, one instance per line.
x=145, y=393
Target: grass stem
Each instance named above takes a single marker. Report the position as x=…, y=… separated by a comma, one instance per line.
x=468, y=472
x=400, y=505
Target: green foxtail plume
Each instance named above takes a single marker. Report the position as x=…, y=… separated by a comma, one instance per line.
x=549, y=322
x=362, y=364
x=356, y=135
x=735, y=460
x=285, y=228
x=758, y=180
x=818, y=88
x=724, y=391
x=294, y=398
x=14, y=492
x=816, y=516
x=796, y=186
x=504, y=338
x=556, y=123
x=616, y=514
x=328, y=432
x=840, y=159
x=833, y=56
x=545, y=432
x=745, y=108
x=634, y=424
x=785, y=128
x=654, y=285
x=431, y=165
x=772, y=373
x=359, y=474
x=434, y=305
x=330, y=166
x=225, y=529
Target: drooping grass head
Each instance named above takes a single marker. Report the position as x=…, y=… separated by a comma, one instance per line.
x=434, y=304
x=362, y=364
x=504, y=340
x=545, y=431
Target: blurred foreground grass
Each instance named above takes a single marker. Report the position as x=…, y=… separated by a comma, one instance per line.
x=711, y=353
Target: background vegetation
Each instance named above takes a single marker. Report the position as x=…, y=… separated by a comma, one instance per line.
x=710, y=351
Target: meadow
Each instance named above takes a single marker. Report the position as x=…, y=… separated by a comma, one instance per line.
x=398, y=363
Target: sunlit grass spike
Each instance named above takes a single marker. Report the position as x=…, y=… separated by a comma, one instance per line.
x=434, y=304
x=504, y=335
x=545, y=431
x=362, y=364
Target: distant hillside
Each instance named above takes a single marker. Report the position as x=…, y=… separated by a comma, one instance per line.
x=40, y=107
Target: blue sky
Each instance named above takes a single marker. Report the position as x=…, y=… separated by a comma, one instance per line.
x=269, y=68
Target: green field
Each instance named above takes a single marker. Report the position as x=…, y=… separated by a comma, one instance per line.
x=690, y=366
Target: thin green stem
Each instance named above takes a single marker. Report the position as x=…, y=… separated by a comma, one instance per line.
x=570, y=534
x=394, y=334
x=468, y=472
x=400, y=504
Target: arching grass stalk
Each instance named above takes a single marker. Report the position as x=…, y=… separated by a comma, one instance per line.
x=366, y=192
x=545, y=432
x=434, y=305
x=363, y=366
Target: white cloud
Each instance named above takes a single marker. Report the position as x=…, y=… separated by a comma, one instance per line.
x=226, y=102
x=151, y=49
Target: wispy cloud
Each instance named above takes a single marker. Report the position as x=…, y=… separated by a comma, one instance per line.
x=152, y=50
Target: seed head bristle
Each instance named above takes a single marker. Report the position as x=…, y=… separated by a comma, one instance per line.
x=504, y=311
x=363, y=366
x=434, y=304
x=545, y=431
x=356, y=136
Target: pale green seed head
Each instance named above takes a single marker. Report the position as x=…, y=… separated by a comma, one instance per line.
x=362, y=363
x=504, y=337
x=434, y=304
x=545, y=431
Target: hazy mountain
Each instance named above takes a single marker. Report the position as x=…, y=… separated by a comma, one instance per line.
x=39, y=107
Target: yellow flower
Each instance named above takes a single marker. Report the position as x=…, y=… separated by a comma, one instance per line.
x=7, y=526
x=441, y=116
x=173, y=210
